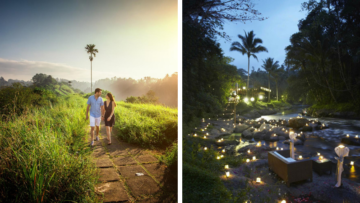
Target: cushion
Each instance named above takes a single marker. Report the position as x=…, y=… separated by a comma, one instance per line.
x=289, y=159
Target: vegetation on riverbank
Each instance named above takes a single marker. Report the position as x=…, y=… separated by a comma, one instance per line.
x=44, y=156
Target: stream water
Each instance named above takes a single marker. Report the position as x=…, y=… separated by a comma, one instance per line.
x=325, y=140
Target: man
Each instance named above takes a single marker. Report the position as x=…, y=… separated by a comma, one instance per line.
x=96, y=106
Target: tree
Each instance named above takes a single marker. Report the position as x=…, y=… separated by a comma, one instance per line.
x=250, y=47
x=270, y=66
x=90, y=48
x=277, y=75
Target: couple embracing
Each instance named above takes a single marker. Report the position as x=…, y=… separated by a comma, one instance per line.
x=99, y=111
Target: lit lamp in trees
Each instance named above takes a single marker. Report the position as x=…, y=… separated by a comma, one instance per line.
x=341, y=151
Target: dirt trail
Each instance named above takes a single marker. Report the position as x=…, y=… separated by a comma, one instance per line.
x=119, y=162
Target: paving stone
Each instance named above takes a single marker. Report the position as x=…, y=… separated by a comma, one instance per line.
x=146, y=158
x=158, y=199
x=112, y=191
x=129, y=171
x=117, y=150
x=157, y=170
x=103, y=163
x=100, y=153
x=124, y=160
x=142, y=185
x=108, y=174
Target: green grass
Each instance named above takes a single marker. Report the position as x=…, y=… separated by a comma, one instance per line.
x=146, y=124
x=44, y=156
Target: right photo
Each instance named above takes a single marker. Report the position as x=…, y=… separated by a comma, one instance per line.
x=271, y=101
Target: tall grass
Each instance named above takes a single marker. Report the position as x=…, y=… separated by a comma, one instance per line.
x=146, y=124
x=44, y=156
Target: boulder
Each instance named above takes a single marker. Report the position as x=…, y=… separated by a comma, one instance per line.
x=351, y=141
x=306, y=129
x=298, y=122
x=214, y=132
x=259, y=135
x=230, y=149
x=241, y=128
x=281, y=137
x=247, y=134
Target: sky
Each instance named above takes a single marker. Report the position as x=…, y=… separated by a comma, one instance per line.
x=135, y=38
x=275, y=32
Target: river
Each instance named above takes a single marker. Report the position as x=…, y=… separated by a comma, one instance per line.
x=324, y=141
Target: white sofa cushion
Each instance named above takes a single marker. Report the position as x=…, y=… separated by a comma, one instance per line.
x=289, y=159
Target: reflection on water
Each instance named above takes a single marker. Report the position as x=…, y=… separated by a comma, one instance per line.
x=352, y=174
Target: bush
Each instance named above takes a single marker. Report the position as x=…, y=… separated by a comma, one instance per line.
x=146, y=124
x=17, y=99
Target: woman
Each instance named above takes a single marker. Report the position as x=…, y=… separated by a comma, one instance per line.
x=109, y=115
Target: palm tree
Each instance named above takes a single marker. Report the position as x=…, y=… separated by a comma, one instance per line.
x=90, y=48
x=250, y=47
x=270, y=66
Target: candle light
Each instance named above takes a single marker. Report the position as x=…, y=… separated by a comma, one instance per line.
x=226, y=166
x=341, y=146
x=222, y=156
x=204, y=137
x=300, y=157
x=258, y=144
x=281, y=148
x=352, y=163
x=218, y=157
x=320, y=157
x=205, y=148
x=284, y=201
x=318, y=154
x=277, y=148
x=223, y=150
x=247, y=160
x=227, y=173
x=301, y=132
x=356, y=136
x=254, y=157
x=195, y=135
x=222, y=139
x=258, y=180
x=347, y=135
x=248, y=151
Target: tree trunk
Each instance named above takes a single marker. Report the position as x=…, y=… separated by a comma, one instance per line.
x=269, y=89
x=277, y=92
x=91, y=75
x=332, y=95
x=248, y=76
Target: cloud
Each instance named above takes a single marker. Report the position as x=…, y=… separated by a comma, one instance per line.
x=25, y=70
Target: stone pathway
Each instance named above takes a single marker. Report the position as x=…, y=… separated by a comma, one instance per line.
x=119, y=162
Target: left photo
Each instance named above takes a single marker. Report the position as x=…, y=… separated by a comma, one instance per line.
x=89, y=101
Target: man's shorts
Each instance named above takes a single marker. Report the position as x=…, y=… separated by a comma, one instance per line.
x=95, y=121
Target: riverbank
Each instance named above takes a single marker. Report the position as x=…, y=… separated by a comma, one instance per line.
x=345, y=110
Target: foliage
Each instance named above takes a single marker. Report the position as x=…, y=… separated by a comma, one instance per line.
x=44, y=156
x=17, y=99
x=149, y=98
x=146, y=124
x=325, y=53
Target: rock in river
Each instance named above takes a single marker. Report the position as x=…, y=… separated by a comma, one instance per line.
x=241, y=128
x=298, y=122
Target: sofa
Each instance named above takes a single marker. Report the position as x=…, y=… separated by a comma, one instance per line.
x=288, y=169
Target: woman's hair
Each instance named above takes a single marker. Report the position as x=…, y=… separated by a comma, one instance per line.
x=111, y=97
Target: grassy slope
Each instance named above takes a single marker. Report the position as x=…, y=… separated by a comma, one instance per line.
x=44, y=156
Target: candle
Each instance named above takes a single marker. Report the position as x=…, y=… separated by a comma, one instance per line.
x=347, y=135
x=223, y=150
x=222, y=156
x=226, y=166
x=204, y=137
x=248, y=151
x=300, y=157
x=277, y=148
x=247, y=160
x=195, y=135
x=218, y=157
x=320, y=157
x=352, y=163
x=318, y=154
x=258, y=180
x=284, y=201
x=254, y=158
x=258, y=144
x=227, y=173
x=281, y=148
x=205, y=148
x=356, y=136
